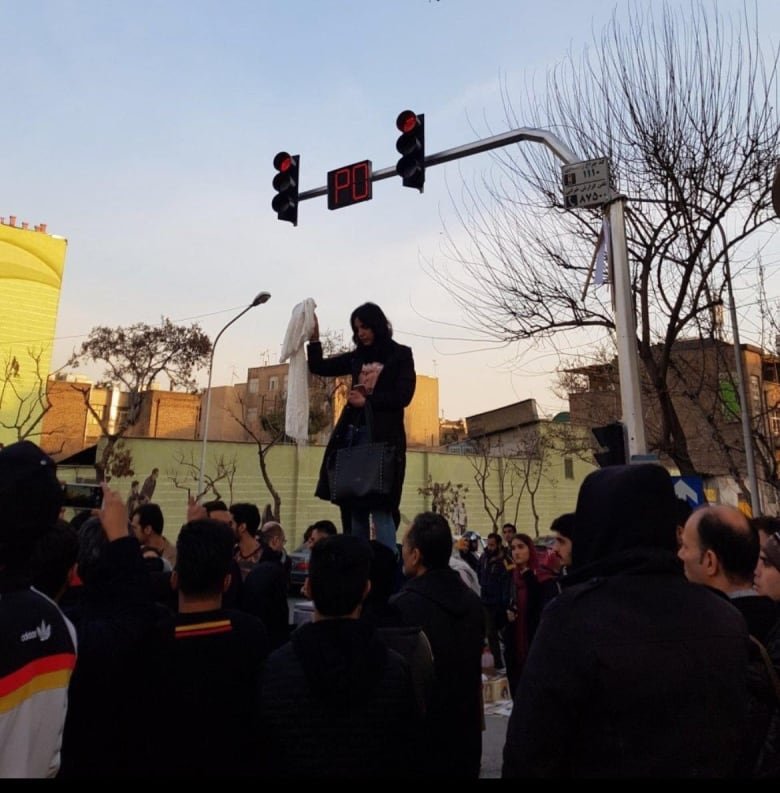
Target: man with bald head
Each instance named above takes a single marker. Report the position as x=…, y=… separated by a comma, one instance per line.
x=719, y=548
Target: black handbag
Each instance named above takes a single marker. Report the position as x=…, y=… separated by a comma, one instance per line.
x=362, y=471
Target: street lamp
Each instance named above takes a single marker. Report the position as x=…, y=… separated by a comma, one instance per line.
x=262, y=297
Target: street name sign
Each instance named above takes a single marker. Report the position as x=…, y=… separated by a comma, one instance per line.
x=587, y=183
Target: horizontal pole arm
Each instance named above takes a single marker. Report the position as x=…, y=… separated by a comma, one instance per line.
x=557, y=146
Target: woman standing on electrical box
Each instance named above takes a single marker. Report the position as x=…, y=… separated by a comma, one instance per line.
x=383, y=377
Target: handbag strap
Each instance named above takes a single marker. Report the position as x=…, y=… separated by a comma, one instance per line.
x=770, y=667
x=368, y=422
x=368, y=413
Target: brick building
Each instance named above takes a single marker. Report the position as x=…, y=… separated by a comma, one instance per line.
x=703, y=386
x=265, y=391
x=70, y=426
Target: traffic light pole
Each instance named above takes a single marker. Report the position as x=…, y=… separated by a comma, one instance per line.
x=625, y=330
x=557, y=147
x=624, y=314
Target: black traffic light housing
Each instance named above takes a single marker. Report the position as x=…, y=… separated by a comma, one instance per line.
x=411, y=147
x=285, y=202
x=612, y=438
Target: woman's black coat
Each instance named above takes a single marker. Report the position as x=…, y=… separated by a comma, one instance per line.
x=393, y=392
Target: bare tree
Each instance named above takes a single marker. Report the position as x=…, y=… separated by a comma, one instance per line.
x=685, y=105
x=266, y=430
x=494, y=476
x=186, y=474
x=703, y=386
x=24, y=399
x=134, y=358
x=538, y=447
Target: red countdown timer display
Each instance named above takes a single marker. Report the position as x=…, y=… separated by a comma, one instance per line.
x=349, y=185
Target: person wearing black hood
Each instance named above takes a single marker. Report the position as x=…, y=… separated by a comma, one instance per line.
x=383, y=383
x=335, y=701
x=634, y=671
x=450, y=613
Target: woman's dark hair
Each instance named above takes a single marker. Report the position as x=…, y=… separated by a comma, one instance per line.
x=374, y=318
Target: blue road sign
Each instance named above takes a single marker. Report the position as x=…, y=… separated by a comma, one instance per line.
x=690, y=489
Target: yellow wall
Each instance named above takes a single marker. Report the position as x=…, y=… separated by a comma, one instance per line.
x=294, y=472
x=31, y=267
x=421, y=418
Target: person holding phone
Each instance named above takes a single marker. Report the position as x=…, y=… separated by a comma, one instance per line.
x=383, y=376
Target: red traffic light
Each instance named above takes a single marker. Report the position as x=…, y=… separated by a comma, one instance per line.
x=285, y=183
x=407, y=121
x=283, y=161
x=411, y=146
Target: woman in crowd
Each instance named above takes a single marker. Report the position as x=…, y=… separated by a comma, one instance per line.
x=524, y=606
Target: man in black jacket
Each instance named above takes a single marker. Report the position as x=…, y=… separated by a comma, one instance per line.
x=264, y=591
x=494, y=583
x=634, y=671
x=336, y=702
x=719, y=548
x=436, y=599
x=210, y=666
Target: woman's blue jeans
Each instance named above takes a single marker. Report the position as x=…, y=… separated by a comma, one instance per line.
x=383, y=521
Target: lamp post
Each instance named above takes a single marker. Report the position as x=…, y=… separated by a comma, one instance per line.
x=262, y=297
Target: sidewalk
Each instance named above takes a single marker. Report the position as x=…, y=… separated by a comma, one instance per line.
x=496, y=719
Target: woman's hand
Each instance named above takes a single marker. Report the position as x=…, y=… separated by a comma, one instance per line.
x=315, y=334
x=356, y=398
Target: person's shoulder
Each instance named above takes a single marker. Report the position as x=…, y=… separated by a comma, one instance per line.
x=28, y=615
x=401, y=350
x=283, y=662
x=245, y=622
x=581, y=591
x=249, y=630
x=472, y=600
x=398, y=668
x=717, y=602
x=258, y=574
x=407, y=595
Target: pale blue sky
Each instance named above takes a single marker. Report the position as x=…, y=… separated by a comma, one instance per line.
x=145, y=134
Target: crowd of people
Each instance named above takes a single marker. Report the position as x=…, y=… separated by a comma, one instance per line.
x=126, y=655
x=652, y=652
x=645, y=643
